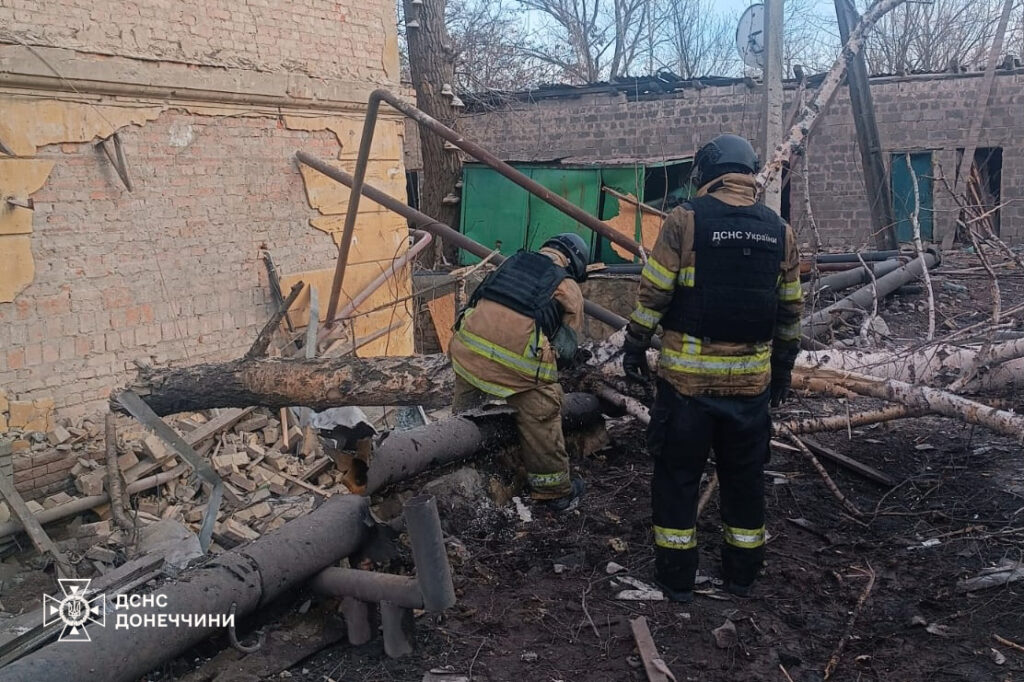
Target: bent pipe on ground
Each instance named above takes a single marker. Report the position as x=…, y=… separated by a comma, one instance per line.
x=432, y=588
x=246, y=578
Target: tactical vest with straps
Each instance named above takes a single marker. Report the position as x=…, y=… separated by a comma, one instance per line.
x=526, y=283
x=733, y=295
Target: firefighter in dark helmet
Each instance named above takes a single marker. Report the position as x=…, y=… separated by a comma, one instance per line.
x=723, y=281
x=521, y=325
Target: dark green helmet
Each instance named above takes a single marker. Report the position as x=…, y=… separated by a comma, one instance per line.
x=572, y=246
x=724, y=154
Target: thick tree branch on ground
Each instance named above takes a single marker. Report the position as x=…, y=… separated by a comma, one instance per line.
x=318, y=384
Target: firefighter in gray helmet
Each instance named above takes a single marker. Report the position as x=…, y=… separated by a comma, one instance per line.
x=521, y=325
x=723, y=283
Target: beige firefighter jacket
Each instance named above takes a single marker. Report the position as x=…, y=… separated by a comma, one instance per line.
x=707, y=367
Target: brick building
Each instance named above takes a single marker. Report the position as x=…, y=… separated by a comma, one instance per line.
x=208, y=101
x=927, y=115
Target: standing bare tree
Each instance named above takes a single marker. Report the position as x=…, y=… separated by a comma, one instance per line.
x=590, y=40
x=432, y=67
x=702, y=40
x=935, y=36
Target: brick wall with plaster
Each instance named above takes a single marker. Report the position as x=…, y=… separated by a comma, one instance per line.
x=93, y=277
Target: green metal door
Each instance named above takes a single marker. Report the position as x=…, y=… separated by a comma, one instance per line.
x=494, y=211
x=581, y=187
x=903, y=194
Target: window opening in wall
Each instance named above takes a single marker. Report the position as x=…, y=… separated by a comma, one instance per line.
x=901, y=182
x=667, y=186
x=984, y=186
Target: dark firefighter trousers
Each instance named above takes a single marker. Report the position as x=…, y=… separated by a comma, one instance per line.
x=683, y=430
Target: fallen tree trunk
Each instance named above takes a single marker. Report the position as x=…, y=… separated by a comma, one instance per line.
x=917, y=397
x=929, y=365
x=318, y=383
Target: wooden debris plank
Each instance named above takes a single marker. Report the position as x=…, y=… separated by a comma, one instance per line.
x=226, y=420
x=850, y=463
x=654, y=665
x=442, y=313
x=316, y=468
x=33, y=528
x=299, y=482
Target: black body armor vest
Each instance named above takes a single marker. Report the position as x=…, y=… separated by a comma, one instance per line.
x=739, y=252
x=526, y=283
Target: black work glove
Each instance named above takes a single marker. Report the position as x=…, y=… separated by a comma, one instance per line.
x=634, y=358
x=582, y=357
x=780, y=388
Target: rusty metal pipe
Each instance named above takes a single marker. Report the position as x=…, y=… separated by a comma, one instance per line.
x=246, y=578
x=479, y=153
x=424, y=222
x=372, y=109
x=423, y=240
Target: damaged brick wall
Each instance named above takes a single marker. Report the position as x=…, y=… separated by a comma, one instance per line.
x=94, y=278
x=323, y=38
x=914, y=113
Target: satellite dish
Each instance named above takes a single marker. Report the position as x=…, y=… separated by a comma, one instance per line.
x=750, y=36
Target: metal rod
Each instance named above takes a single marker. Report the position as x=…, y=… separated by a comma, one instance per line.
x=424, y=222
x=372, y=108
x=423, y=240
x=479, y=153
x=433, y=573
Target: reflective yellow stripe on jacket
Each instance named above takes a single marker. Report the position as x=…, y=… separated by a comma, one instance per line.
x=645, y=316
x=690, y=359
x=483, y=385
x=658, y=275
x=790, y=291
x=525, y=363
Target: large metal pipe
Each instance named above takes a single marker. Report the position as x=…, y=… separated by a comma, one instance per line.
x=853, y=277
x=242, y=579
x=433, y=573
x=368, y=586
x=820, y=322
x=404, y=454
x=424, y=222
x=866, y=256
x=479, y=153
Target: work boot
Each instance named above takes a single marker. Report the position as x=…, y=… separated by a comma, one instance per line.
x=560, y=505
x=737, y=589
x=672, y=594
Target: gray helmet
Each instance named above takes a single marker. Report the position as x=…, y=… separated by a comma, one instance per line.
x=572, y=246
x=724, y=154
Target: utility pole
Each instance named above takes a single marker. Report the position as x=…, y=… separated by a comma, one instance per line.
x=771, y=132
x=863, y=107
